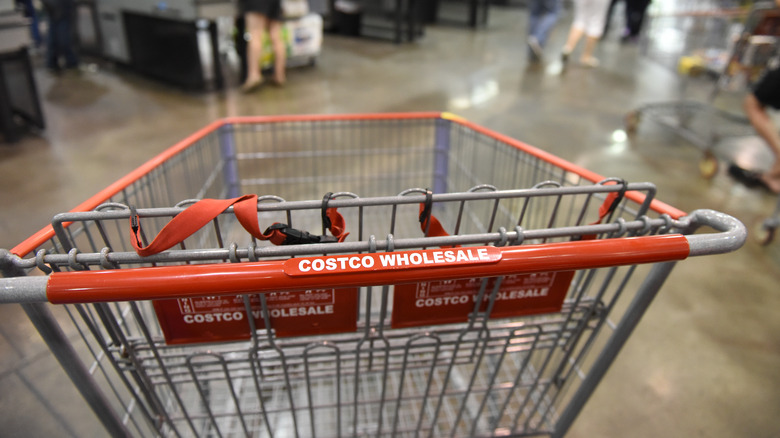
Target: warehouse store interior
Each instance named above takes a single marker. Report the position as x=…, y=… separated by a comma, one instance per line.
x=703, y=360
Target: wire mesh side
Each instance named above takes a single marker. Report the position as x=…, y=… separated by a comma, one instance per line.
x=486, y=376
x=480, y=380
x=546, y=213
x=305, y=159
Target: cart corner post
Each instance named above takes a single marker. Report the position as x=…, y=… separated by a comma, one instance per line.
x=647, y=292
x=51, y=332
x=441, y=154
x=66, y=355
x=227, y=142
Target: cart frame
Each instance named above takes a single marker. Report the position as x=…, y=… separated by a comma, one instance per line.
x=547, y=248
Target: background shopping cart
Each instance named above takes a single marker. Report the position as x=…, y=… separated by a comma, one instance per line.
x=765, y=232
x=719, y=53
x=379, y=375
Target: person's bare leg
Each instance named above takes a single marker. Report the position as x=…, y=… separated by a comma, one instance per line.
x=764, y=126
x=575, y=33
x=280, y=52
x=255, y=24
x=587, y=53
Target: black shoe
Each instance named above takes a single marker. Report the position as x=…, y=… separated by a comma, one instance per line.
x=749, y=178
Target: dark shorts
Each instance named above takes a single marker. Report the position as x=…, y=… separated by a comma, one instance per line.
x=272, y=9
x=767, y=89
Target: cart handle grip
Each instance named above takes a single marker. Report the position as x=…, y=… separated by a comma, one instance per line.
x=732, y=233
x=271, y=276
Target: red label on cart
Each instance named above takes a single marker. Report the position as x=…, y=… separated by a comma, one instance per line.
x=451, y=301
x=431, y=258
x=218, y=319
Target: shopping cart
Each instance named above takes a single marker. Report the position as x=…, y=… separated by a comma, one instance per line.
x=719, y=53
x=765, y=232
x=487, y=300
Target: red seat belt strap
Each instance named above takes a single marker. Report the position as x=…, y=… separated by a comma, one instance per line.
x=202, y=212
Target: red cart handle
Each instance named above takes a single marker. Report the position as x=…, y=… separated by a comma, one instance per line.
x=202, y=212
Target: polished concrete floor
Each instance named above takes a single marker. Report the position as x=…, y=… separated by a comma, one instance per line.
x=705, y=360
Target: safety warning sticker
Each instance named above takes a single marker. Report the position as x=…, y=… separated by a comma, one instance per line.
x=451, y=301
x=218, y=319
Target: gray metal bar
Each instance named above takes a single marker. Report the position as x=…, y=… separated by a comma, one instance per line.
x=158, y=358
x=23, y=290
x=254, y=361
x=579, y=331
x=536, y=192
x=203, y=395
x=66, y=355
x=518, y=377
x=283, y=360
x=731, y=237
x=118, y=338
x=232, y=388
x=114, y=364
x=408, y=347
x=381, y=334
x=358, y=348
x=194, y=255
x=476, y=370
x=645, y=295
x=337, y=383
